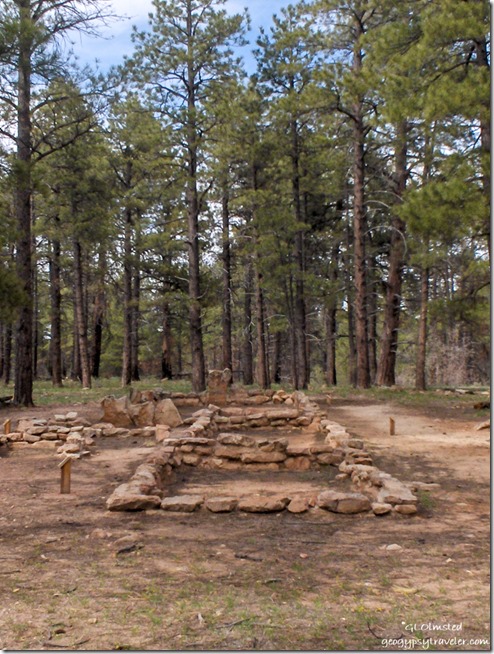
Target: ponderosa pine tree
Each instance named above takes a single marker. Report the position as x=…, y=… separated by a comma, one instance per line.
x=31, y=32
x=185, y=55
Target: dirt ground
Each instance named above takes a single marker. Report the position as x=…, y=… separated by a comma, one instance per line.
x=75, y=576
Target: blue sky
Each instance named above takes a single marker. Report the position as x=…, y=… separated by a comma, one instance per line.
x=116, y=42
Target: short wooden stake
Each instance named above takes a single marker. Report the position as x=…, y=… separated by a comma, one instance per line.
x=391, y=427
x=65, y=466
x=7, y=426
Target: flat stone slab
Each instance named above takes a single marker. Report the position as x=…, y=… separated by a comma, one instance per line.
x=263, y=504
x=380, y=508
x=298, y=505
x=263, y=457
x=182, y=503
x=236, y=439
x=221, y=504
x=339, y=502
x=132, y=502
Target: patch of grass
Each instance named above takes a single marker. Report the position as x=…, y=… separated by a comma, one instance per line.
x=425, y=499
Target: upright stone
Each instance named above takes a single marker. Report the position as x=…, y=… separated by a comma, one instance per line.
x=166, y=413
x=218, y=383
x=116, y=411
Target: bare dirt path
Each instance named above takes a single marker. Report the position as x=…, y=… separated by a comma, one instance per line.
x=74, y=576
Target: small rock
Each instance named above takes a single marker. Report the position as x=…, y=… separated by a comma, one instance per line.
x=182, y=503
x=298, y=505
x=263, y=504
x=29, y=438
x=394, y=547
x=381, y=508
x=221, y=504
x=339, y=502
x=406, y=509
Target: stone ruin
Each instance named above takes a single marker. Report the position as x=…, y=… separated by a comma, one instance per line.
x=211, y=439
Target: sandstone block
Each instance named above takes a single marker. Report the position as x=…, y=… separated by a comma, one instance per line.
x=282, y=413
x=229, y=451
x=297, y=463
x=339, y=502
x=263, y=457
x=406, y=509
x=115, y=411
x=276, y=445
x=191, y=459
x=30, y=438
x=298, y=450
x=166, y=413
x=236, y=439
x=142, y=414
x=132, y=502
x=298, y=505
x=257, y=504
x=380, y=508
x=395, y=492
x=182, y=503
x=221, y=504
x=46, y=445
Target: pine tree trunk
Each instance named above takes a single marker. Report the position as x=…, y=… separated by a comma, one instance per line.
x=226, y=316
x=392, y=307
x=483, y=59
x=56, y=318
x=75, y=374
x=7, y=369
x=331, y=336
x=99, y=315
x=135, y=316
x=127, y=301
x=360, y=227
x=247, y=350
x=35, y=316
x=23, y=382
x=420, y=368
x=80, y=316
x=2, y=349
x=277, y=351
x=195, y=318
x=300, y=350
x=262, y=373
x=166, y=344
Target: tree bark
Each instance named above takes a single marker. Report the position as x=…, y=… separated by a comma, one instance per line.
x=300, y=350
x=99, y=315
x=277, y=352
x=56, y=318
x=166, y=344
x=80, y=316
x=397, y=249
x=262, y=373
x=360, y=225
x=226, y=316
x=420, y=368
x=195, y=318
x=247, y=350
x=127, y=300
x=7, y=365
x=23, y=378
x=135, y=319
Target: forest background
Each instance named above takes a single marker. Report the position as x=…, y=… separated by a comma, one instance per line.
x=324, y=219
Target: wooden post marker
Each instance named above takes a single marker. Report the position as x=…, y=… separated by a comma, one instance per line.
x=7, y=426
x=65, y=466
x=391, y=427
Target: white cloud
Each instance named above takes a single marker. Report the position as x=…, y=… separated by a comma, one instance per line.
x=116, y=41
